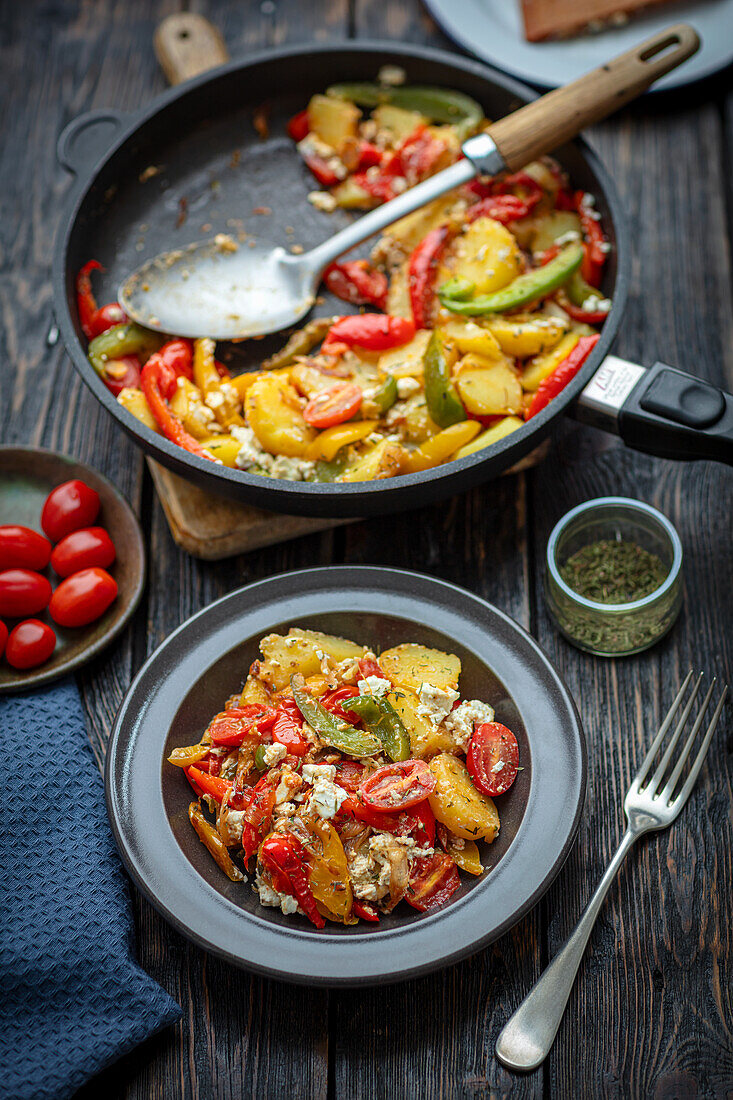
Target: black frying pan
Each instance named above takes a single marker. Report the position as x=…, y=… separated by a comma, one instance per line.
x=212, y=171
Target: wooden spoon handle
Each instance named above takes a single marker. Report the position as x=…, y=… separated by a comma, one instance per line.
x=186, y=44
x=558, y=116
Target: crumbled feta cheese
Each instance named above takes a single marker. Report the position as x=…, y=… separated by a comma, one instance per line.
x=311, y=772
x=374, y=685
x=274, y=900
x=290, y=782
x=407, y=386
x=322, y=200
x=461, y=721
x=595, y=304
x=274, y=753
x=348, y=670
x=498, y=766
x=290, y=469
x=214, y=400
x=392, y=75
x=568, y=238
x=250, y=452
x=286, y=809
x=326, y=796
x=435, y=702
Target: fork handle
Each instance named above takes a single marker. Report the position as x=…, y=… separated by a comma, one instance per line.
x=526, y=1038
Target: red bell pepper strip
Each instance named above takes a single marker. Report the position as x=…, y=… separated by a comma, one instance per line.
x=585, y=316
x=595, y=241
x=498, y=200
x=299, y=126
x=209, y=784
x=262, y=802
x=284, y=855
x=373, y=331
x=369, y=156
x=287, y=728
x=365, y=910
x=233, y=725
x=380, y=184
x=502, y=208
x=86, y=303
x=158, y=382
x=419, y=154
x=358, y=283
x=421, y=273
x=562, y=374
x=321, y=169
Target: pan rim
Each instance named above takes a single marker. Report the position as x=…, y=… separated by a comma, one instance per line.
x=338, y=498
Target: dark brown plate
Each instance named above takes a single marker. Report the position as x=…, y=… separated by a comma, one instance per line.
x=204, y=661
x=27, y=476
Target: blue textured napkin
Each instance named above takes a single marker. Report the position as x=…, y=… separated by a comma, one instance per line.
x=72, y=997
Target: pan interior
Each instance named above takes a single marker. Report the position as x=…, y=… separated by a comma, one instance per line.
x=225, y=677
x=198, y=167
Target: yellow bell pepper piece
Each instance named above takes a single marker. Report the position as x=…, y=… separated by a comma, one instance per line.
x=491, y=435
x=134, y=401
x=242, y=382
x=543, y=366
x=441, y=446
x=219, y=396
x=329, y=442
x=188, y=405
x=223, y=447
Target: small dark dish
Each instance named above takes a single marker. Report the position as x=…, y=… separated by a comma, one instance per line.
x=27, y=476
x=186, y=680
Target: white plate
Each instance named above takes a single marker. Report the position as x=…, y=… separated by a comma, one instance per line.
x=493, y=31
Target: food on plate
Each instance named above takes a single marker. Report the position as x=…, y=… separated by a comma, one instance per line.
x=23, y=592
x=82, y=597
x=22, y=548
x=564, y=18
x=486, y=302
x=81, y=557
x=346, y=782
x=30, y=643
x=68, y=507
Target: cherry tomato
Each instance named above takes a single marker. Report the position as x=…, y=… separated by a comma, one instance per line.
x=233, y=725
x=22, y=548
x=369, y=667
x=433, y=881
x=299, y=126
x=287, y=728
x=3, y=637
x=493, y=758
x=82, y=597
x=106, y=317
x=30, y=644
x=348, y=774
x=23, y=592
x=335, y=703
x=334, y=405
x=121, y=373
x=68, y=507
x=81, y=550
x=398, y=786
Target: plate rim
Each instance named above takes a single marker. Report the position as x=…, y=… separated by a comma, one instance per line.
x=671, y=82
x=337, y=578
x=42, y=678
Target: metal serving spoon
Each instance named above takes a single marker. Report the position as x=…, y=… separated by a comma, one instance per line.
x=227, y=291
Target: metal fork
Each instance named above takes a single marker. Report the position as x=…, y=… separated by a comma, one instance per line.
x=525, y=1040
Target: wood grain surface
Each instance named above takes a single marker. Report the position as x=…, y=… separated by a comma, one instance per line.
x=651, y=1015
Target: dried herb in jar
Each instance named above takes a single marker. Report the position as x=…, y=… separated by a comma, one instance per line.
x=616, y=572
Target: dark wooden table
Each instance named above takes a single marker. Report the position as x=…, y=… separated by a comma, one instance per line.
x=651, y=1015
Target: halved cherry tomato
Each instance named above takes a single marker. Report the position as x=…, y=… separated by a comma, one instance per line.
x=334, y=405
x=68, y=507
x=348, y=774
x=122, y=373
x=284, y=857
x=232, y=726
x=492, y=758
x=398, y=786
x=433, y=881
x=82, y=597
x=23, y=592
x=3, y=637
x=30, y=644
x=106, y=317
x=369, y=667
x=419, y=823
x=287, y=727
x=83, y=549
x=23, y=548
x=358, y=283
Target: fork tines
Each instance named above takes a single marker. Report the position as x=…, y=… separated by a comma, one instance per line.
x=653, y=786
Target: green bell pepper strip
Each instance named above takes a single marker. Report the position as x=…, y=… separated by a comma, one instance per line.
x=300, y=343
x=260, y=762
x=329, y=471
x=458, y=288
x=437, y=104
x=526, y=288
x=386, y=395
x=331, y=730
x=126, y=339
x=381, y=719
x=444, y=404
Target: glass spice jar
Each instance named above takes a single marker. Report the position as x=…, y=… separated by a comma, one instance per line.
x=614, y=629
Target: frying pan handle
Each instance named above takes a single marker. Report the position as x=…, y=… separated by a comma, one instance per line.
x=661, y=411
x=86, y=137
x=558, y=116
x=186, y=45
